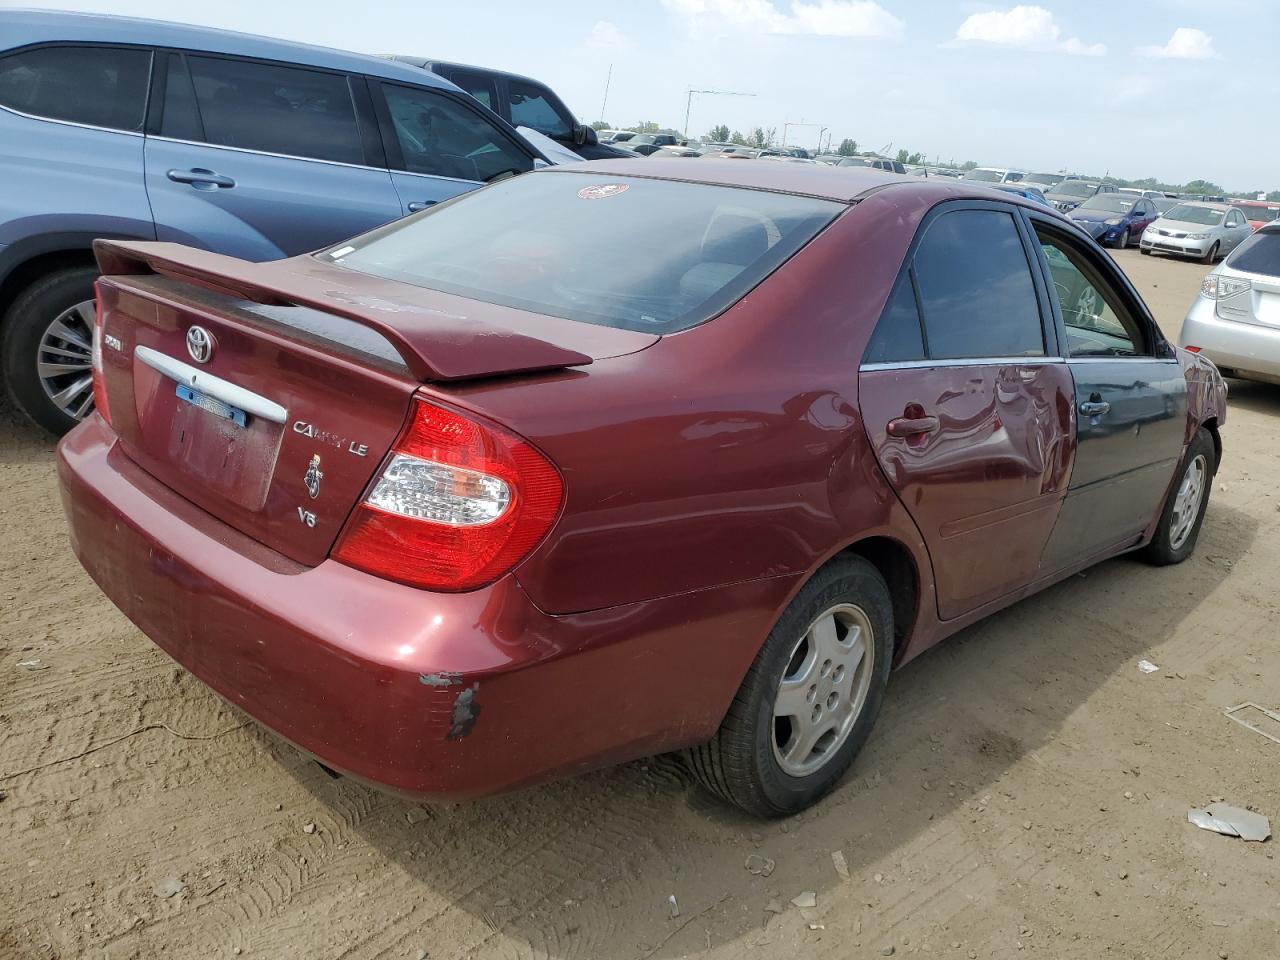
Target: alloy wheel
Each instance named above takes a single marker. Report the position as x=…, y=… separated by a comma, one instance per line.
x=823, y=689
x=64, y=360
x=1187, y=502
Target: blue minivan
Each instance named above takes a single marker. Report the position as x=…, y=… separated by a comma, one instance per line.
x=255, y=148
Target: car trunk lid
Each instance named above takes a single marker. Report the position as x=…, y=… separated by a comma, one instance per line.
x=269, y=394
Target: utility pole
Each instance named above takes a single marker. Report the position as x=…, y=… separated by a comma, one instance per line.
x=604, y=103
x=688, y=104
x=801, y=123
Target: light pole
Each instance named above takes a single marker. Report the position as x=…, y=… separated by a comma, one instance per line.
x=688, y=104
x=801, y=124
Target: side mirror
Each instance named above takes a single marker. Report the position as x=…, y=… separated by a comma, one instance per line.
x=585, y=136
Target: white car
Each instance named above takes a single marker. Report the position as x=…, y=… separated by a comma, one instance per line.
x=1205, y=231
x=995, y=175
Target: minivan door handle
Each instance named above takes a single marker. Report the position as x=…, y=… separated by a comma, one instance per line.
x=421, y=205
x=201, y=179
x=911, y=426
x=1095, y=408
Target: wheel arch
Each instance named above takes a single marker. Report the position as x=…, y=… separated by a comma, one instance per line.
x=1211, y=425
x=897, y=564
x=25, y=262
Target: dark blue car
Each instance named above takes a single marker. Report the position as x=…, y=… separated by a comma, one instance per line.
x=1114, y=219
x=256, y=148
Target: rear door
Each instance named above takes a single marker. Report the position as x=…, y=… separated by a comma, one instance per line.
x=968, y=405
x=440, y=144
x=1238, y=229
x=1130, y=401
x=262, y=160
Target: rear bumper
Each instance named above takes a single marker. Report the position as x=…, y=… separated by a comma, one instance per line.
x=430, y=695
x=1235, y=347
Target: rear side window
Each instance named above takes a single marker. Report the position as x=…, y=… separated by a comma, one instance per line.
x=441, y=137
x=532, y=106
x=98, y=86
x=178, y=116
x=277, y=109
x=1259, y=254
x=898, y=337
x=976, y=289
x=565, y=244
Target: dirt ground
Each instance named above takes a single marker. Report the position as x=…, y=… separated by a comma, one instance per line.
x=1025, y=793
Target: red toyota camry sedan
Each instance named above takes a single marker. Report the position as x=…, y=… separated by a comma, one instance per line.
x=621, y=458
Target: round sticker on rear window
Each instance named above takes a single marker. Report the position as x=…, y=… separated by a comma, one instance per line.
x=602, y=190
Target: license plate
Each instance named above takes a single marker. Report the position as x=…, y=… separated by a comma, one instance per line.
x=213, y=405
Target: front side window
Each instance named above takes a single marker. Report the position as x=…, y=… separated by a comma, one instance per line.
x=1096, y=324
x=442, y=138
x=532, y=106
x=976, y=290
x=97, y=86
x=276, y=109
x=565, y=244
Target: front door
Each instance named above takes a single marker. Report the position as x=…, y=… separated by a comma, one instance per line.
x=1130, y=404
x=261, y=160
x=968, y=406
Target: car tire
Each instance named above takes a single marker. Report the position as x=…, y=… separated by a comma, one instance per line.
x=1179, y=528
x=29, y=319
x=1144, y=251
x=1212, y=255
x=759, y=759
x=1122, y=242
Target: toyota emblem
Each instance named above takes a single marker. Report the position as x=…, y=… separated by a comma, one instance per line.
x=200, y=344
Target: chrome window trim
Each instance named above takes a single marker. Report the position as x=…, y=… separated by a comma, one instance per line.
x=69, y=123
x=216, y=387
x=1145, y=358
x=961, y=362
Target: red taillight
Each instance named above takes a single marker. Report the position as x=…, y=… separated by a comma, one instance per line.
x=99, y=382
x=1191, y=349
x=457, y=505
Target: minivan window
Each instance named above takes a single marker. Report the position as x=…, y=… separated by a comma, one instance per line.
x=179, y=118
x=564, y=244
x=276, y=109
x=1258, y=254
x=531, y=106
x=97, y=86
x=976, y=290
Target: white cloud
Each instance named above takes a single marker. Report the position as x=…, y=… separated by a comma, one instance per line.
x=606, y=35
x=826, y=18
x=1187, y=43
x=1024, y=28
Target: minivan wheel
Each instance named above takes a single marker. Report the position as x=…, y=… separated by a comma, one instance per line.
x=47, y=349
x=810, y=699
x=1179, y=526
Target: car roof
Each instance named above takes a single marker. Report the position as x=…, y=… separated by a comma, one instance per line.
x=428, y=63
x=841, y=184
x=21, y=27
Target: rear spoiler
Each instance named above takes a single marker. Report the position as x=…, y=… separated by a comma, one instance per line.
x=435, y=342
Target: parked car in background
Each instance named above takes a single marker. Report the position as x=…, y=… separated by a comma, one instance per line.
x=1258, y=212
x=1148, y=194
x=622, y=136
x=1069, y=194
x=875, y=163
x=994, y=175
x=255, y=148
x=522, y=102
x=1114, y=219
x=401, y=570
x=1027, y=191
x=644, y=144
x=687, y=152
x=1045, y=181
x=1164, y=204
x=1235, y=321
x=1204, y=231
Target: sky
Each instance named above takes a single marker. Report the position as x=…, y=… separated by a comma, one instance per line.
x=1175, y=89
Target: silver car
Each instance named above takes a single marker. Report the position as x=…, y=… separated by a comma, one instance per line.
x=1235, y=321
x=1205, y=231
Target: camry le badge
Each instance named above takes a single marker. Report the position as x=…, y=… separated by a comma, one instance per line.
x=313, y=477
x=199, y=344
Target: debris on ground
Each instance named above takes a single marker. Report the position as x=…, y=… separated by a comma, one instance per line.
x=760, y=866
x=1231, y=822
x=1146, y=666
x=36, y=664
x=842, y=866
x=1240, y=714
x=168, y=887
x=805, y=900
x=675, y=907
x=308, y=828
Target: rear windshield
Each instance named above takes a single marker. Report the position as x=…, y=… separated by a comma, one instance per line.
x=1110, y=202
x=986, y=176
x=1259, y=254
x=1256, y=214
x=1189, y=213
x=652, y=255
x=1075, y=188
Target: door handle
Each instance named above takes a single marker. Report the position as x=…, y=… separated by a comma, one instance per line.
x=201, y=179
x=911, y=426
x=421, y=205
x=1095, y=408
